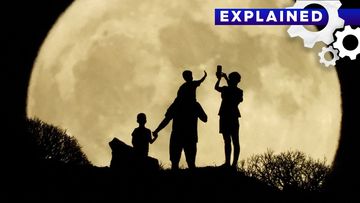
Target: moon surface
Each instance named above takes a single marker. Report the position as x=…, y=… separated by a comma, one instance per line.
x=104, y=62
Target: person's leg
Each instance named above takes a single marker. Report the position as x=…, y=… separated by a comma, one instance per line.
x=227, y=144
x=175, y=152
x=236, y=143
x=146, y=150
x=190, y=154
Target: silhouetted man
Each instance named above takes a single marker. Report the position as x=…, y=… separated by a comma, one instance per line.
x=229, y=114
x=184, y=131
x=184, y=112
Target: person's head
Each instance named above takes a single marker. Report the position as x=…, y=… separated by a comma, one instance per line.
x=234, y=78
x=187, y=75
x=141, y=118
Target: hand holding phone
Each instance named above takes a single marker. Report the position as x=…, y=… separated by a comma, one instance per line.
x=219, y=71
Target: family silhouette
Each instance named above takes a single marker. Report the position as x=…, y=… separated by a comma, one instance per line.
x=185, y=112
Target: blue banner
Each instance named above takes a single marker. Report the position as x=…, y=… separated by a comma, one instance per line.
x=285, y=16
x=262, y=16
x=351, y=16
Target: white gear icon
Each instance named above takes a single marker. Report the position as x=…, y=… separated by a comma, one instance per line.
x=325, y=35
x=340, y=35
x=331, y=62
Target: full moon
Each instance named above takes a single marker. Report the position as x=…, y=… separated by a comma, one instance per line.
x=104, y=62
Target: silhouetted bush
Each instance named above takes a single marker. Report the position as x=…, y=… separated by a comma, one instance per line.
x=54, y=144
x=288, y=171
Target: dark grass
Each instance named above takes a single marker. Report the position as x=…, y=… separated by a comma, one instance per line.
x=56, y=182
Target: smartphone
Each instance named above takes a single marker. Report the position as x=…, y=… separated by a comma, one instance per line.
x=219, y=69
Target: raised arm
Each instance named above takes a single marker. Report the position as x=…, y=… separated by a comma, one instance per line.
x=198, y=82
x=203, y=78
x=217, y=84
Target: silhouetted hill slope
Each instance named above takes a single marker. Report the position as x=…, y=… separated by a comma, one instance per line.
x=57, y=182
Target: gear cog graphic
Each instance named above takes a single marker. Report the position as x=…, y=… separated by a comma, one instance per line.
x=325, y=35
x=340, y=35
x=331, y=62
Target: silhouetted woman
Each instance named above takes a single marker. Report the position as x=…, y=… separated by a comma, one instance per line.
x=229, y=114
